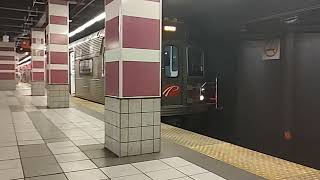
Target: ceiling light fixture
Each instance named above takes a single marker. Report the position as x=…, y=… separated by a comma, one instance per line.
x=88, y=24
x=170, y=28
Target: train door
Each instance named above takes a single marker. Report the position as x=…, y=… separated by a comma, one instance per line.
x=172, y=76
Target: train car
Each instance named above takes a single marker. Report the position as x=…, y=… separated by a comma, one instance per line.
x=184, y=90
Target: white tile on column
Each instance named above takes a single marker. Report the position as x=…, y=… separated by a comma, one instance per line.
x=135, y=120
x=147, y=105
x=135, y=134
x=147, y=119
x=124, y=106
x=147, y=146
x=156, y=118
x=156, y=132
x=124, y=120
x=134, y=148
x=147, y=133
x=134, y=105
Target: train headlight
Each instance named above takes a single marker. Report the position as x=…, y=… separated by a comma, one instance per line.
x=201, y=98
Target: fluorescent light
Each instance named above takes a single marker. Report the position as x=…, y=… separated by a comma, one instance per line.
x=88, y=24
x=170, y=28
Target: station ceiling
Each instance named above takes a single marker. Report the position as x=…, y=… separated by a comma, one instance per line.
x=18, y=16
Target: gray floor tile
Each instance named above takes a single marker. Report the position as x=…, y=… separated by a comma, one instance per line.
x=165, y=174
x=176, y=162
x=91, y=147
x=114, y=160
x=121, y=170
x=49, y=177
x=22, y=143
x=9, y=153
x=37, y=166
x=16, y=108
x=56, y=140
x=148, y=166
x=10, y=164
x=77, y=166
x=93, y=174
x=11, y=174
x=86, y=142
x=34, y=150
x=191, y=170
x=99, y=153
x=65, y=150
x=133, y=177
x=78, y=156
x=207, y=176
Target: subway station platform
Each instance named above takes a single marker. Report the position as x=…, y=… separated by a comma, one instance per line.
x=37, y=143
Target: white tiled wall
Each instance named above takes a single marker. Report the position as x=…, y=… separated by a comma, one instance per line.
x=132, y=126
x=58, y=96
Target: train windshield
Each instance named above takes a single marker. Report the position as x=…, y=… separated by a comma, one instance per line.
x=195, y=61
x=171, y=61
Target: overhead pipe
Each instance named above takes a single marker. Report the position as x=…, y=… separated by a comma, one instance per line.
x=16, y=19
x=82, y=9
x=284, y=14
x=21, y=10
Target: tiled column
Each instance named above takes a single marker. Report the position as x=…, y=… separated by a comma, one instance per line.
x=38, y=60
x=7, y=66
x=132, y=71
x=58, y=54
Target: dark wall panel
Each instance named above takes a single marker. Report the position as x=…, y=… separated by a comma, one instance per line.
x=307, y=103
x=264, y=99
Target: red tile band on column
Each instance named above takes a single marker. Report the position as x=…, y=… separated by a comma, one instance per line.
x=60, y=2
x=7, y=66
x=141, y=79
x=59, y=76
x=112, y=82
x=7, y=58
x=58, y=52
x=59, y=57
x=61, y=39
x=7, y=76
x=112, y=34
x=141, y=33
x=38, y=76
x=6, y=49
x=37, y=55
x=38, y=64
x=59, y=20
x=7, y=61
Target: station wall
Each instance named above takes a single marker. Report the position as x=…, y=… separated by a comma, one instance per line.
x=264, y=101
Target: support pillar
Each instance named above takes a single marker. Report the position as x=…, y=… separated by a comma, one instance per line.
x=38, y=61
x=58, y=54
x=7, y=66
x=132, y=74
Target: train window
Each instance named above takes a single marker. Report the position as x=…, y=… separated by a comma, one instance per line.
x=85, y=67
x=171, y=63
x=195, y=61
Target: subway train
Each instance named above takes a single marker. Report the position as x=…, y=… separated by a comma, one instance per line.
x=184, y=89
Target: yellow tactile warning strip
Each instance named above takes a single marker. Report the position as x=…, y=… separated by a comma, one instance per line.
x=257, y=163
x=254, y=162
x=88, y=104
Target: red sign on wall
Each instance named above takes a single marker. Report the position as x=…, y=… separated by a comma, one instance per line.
x=171, y=91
